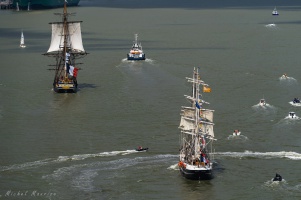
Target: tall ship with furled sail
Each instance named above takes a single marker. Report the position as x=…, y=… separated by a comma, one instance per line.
x=197, y=134
x=66, y=46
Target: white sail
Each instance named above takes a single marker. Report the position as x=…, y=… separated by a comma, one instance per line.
x=188, y=112
x=74, y=40
x=22, y=39
x=187, y=124
x=207, y=114
x=207, y=129
x=22, y=43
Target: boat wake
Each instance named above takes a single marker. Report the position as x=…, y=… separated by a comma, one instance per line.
x=60, y=159
x=282, y=186
x=263, y=107
x=273, y=26
x=290, y=118
x=148, y=60
x=274, y=184
x=82, y=176
x=174, y=167
x=287, y=80
x=295, y=104
x=237, y=137
x=261, y=155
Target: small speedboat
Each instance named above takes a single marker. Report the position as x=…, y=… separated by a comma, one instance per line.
x=262, y=102
x=292, y=115
x=141, y=149
x=296, y=100
x=277, y=178
x=236, y=132
x=284, y=76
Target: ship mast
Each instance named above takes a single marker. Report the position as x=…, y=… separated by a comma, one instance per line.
x=66, y=32
x=196, y=94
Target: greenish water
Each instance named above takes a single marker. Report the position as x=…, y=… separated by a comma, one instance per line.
x=80, y=146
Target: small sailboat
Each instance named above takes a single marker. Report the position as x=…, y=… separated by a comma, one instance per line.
x=275, y=12
x=17, y=7
x=22, y=43
x=28, y=6
x=196, y=135
x=66, y=46
x=136, y=53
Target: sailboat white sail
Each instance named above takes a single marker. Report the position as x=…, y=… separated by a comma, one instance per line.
x=17, y=7
x=275, y=12
x=197, y=134
x=22, y=43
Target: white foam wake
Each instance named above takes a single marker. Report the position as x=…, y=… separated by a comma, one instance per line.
x=272, y=25
x=263, y=155
x=48, y=161
x=295, y=104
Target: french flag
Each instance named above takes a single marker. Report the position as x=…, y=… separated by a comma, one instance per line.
x=73, y=71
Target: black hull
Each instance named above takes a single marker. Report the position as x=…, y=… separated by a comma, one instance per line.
x=196, y=174
x=143, y=149
x=64, y=90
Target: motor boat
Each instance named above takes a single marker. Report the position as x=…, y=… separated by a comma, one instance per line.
x=292, y=115
x=236, y=132
x=296, y=100
x=277, y=178
x=262, y=102
x=141, y=148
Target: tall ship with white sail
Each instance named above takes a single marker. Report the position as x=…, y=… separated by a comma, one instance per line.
x=66, y=47
x=197, y=136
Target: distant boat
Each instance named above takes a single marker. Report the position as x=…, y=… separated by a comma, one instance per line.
x=292, y=115
x=236, y=132
x=141, y=148
x=296, y=100
x=275, y=12
x=278, y=177
x=17, y=6
x=136, y=53
x=284, y=76
x=197, y=134
x=22, y=44
x=66, y=46
x=262, y=102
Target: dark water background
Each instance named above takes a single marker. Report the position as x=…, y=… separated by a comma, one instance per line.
x=80, y=146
